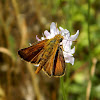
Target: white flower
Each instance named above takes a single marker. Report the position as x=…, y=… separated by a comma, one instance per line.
x=67, y=41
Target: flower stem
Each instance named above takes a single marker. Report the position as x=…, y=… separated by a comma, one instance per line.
x=89, y=85
x=62, y=88
x=89, y=23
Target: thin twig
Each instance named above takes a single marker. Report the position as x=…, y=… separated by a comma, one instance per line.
x=34, y=82
x=88, y=91
x=4, y=26
x=21, y=24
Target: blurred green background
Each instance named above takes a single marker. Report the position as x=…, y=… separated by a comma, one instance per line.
x=21, y=21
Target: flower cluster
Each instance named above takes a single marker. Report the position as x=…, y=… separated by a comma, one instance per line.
x=66, y=43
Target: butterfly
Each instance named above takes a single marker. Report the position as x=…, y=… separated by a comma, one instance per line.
x=48, y=54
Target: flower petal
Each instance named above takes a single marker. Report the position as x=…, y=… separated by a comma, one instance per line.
x=46, y=33
x=67, y=45
x=74, y=37
x=64, y=32
x=38, y=38
x=57, y=31
x=42, y=38
x=72, y=50
x=70, y=60
x=30, y=44
x=52, y=28
x=66, y=55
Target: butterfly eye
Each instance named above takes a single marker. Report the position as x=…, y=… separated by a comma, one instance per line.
x=60, y=40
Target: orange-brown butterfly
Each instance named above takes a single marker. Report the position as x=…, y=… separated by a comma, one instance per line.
x=48, y=54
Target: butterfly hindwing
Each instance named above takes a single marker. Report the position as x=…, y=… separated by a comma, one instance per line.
x=59, y=63
x=55, y=66
x=48, y=67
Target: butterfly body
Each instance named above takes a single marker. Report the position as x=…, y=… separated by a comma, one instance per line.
x=48, y=54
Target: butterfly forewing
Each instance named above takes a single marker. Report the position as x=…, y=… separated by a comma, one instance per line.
x=32, y=53
x=36, y=59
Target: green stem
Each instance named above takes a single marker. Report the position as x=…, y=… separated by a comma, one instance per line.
x=88, y=91
x=62, y=88
x=64, y=91
x=89, y=23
